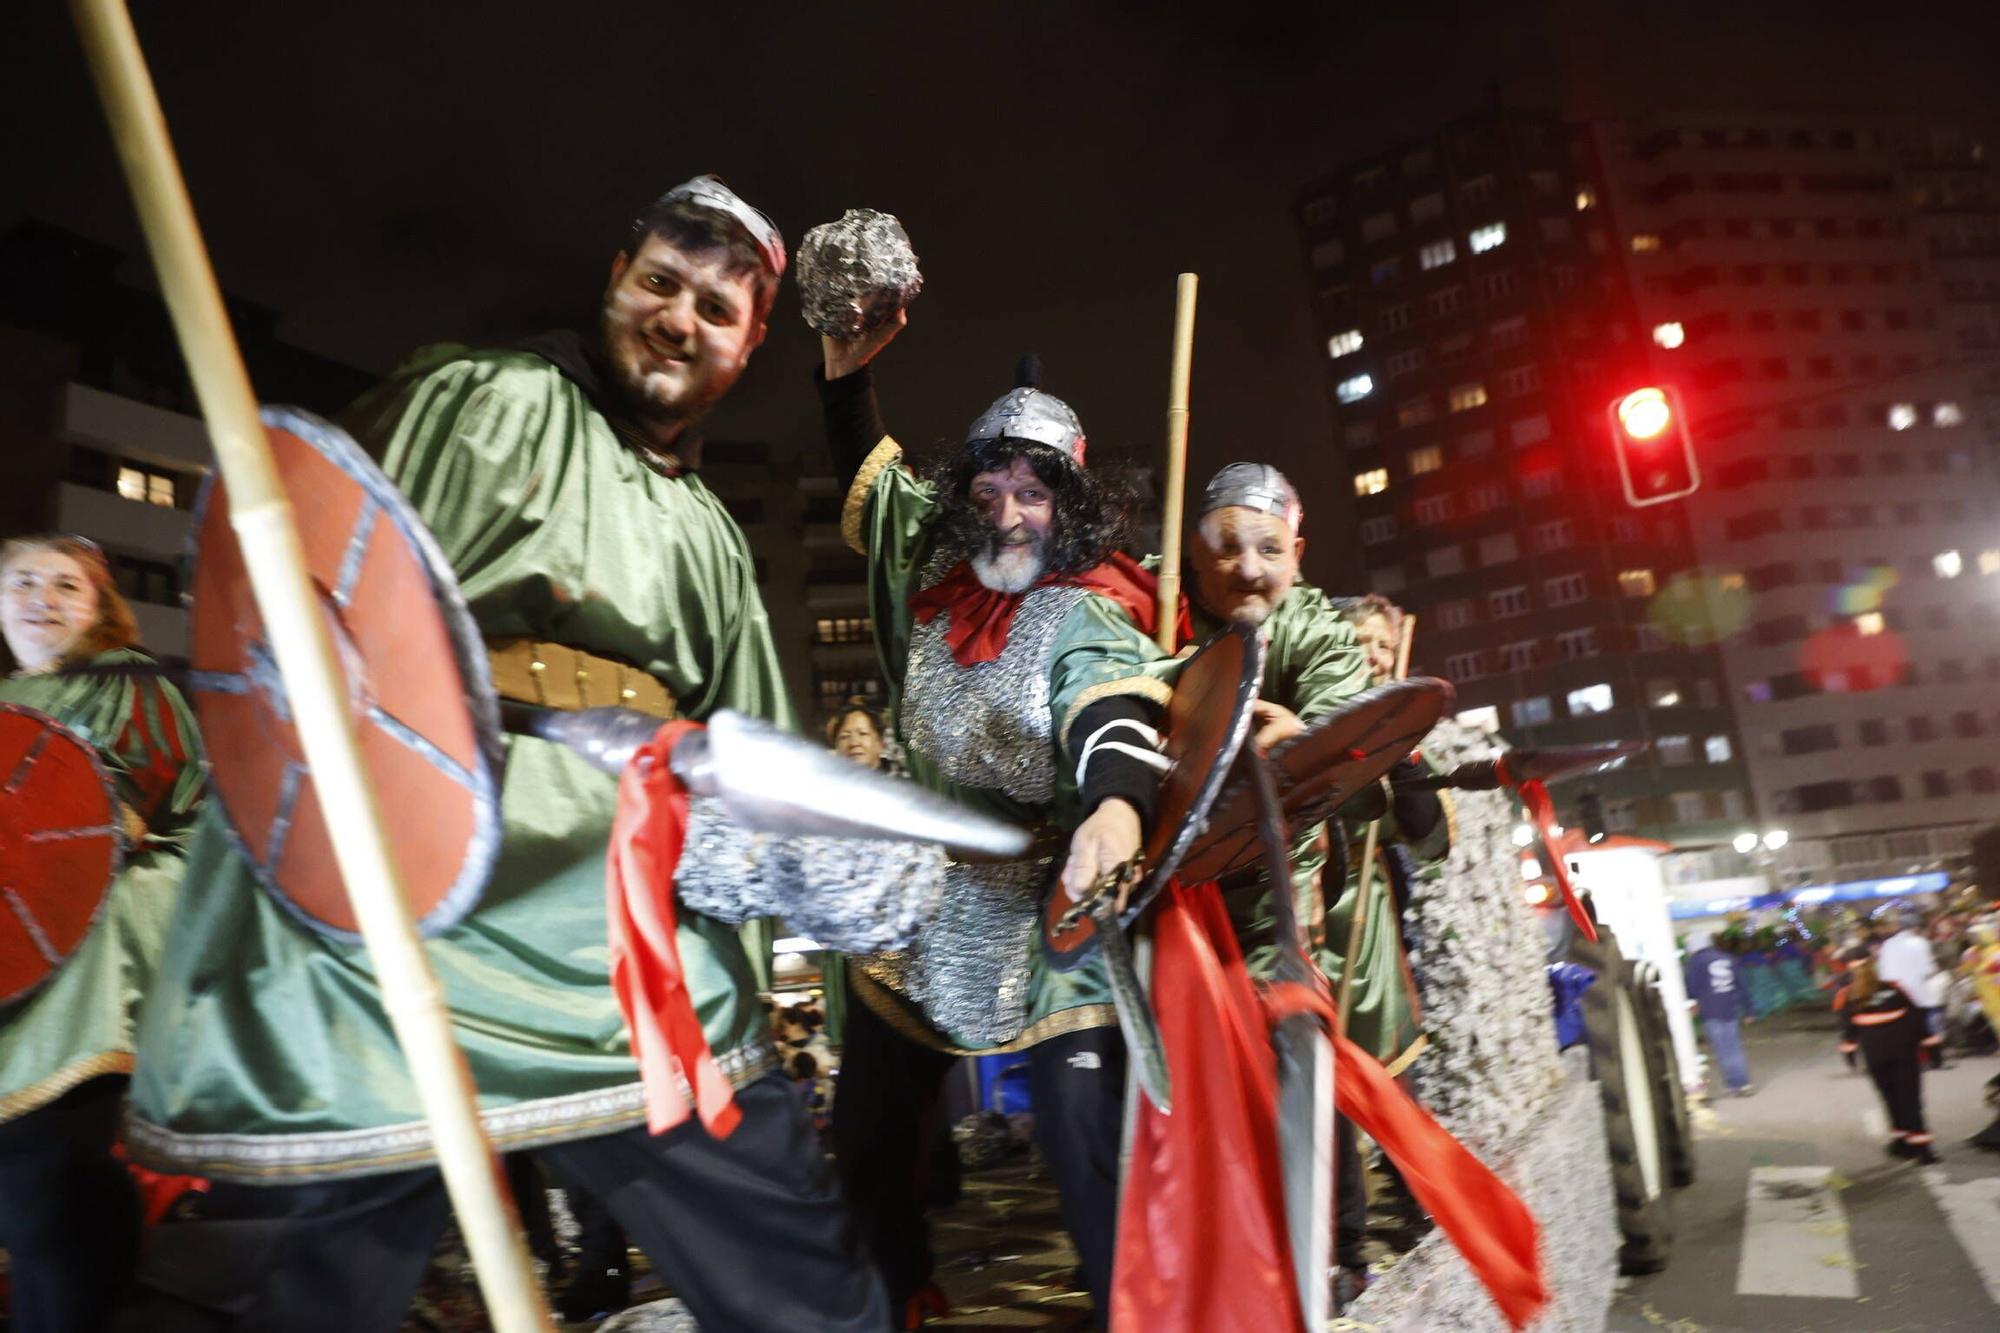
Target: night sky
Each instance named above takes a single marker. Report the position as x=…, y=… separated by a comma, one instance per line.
x=390, y=174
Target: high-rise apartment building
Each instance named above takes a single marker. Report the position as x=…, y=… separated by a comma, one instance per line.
x=1805, y=640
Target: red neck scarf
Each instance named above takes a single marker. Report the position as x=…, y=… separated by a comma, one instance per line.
x=981, y=617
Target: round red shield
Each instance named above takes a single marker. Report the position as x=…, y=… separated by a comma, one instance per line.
x=1320, y=768
x=60, y=845
x=417, y=685
x=1207, y=719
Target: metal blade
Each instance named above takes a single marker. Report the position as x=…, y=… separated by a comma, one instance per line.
x=1146, y=1051
x=771, y=781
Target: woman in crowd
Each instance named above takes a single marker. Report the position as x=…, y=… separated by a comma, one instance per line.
x=69, y=1214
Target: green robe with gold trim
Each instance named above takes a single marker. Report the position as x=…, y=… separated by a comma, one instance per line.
x=1068, y=649
x=1313, y=662
x=79, y=1024
x=264, y=1052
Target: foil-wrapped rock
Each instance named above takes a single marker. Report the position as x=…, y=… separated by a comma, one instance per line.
x=856, y=273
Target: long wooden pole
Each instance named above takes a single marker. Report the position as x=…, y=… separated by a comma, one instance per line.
x=1364, y=889
x=290, y=606
x=1173, y=502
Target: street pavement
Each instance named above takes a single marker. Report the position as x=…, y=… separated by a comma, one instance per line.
x=1798, y=1223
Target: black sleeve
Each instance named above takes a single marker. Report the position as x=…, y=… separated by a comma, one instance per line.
x=1113, y=772
x=853, y=420
x=1418, y=809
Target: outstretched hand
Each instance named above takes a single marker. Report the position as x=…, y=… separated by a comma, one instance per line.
x=844, y=356
x=1102, y=843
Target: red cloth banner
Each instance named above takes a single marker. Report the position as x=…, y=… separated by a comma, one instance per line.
x=646, y=973
x=1201, y=1234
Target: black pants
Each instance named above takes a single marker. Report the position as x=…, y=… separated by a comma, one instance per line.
x=885, y=1109
x=1899, y=1078
x=1077, y=1081
x=747, y=1230
x=69, y=1214
x=1350, y=1196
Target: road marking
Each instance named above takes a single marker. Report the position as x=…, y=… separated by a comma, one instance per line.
x=1795, y=1236
x=1973, y=1210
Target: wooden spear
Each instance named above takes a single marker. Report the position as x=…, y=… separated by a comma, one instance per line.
x=291, y=608
x=1173, y=497
x=1364, y=889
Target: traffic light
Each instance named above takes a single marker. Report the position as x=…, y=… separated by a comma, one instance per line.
x=1655, y=455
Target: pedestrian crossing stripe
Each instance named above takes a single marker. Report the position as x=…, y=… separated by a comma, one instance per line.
x=1795, y=1236
x=1972, y=1208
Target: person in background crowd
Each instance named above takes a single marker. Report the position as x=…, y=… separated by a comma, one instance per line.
x=1907, y=960
x=69, y=1215
x=1717, y=994
x=1888, y=1027
x=855, y=732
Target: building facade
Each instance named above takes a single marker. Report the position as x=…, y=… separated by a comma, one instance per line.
x=1805, y=640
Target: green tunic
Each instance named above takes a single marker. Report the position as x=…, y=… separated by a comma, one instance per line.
x=1010, y=718
x=1313, y=663
x=79, y=1024
x=264, y=1052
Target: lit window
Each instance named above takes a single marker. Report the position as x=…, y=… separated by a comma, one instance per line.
x=131, y=483
x=1947, y=414
x=1531, y=712
x=1590, y=699
x=1485, y=719
x=1489, y=237
x=1947, y=564
x=1354, y=390
x=1464, y=397
x=1989, y=562
x=1868, y=623
x=160, y=490
x=1372, y=482
x=1586, y=199
x=1437, y=254
x=1902, y=416
x=1718, y=749
x=1344, y=344
x=1427, y=459
x=1637, y=582
x=1645, y=243
x=1669, y=335
x=1662, y=694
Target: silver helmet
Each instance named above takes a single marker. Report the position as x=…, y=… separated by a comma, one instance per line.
x=1256, y=486
x=1032, y=416
x=710, y=192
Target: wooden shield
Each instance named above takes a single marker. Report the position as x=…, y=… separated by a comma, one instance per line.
x=417, y=685
x=1207, y=720
x=60, y=846
x=1319, y=769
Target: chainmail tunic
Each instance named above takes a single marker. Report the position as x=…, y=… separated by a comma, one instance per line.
x=986, y=726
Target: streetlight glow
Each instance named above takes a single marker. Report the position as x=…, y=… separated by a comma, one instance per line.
x=1776, y=838
x=1745, y=843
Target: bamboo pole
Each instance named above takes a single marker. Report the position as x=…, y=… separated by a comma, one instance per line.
x=1364, y=889
x=290, y=606
x=1173, y=503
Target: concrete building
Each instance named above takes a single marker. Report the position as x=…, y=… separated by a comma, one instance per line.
x=1807, y=639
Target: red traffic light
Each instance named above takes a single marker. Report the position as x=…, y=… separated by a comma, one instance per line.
x=1655, y=456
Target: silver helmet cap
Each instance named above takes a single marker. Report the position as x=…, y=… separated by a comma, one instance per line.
x=710, y=192
x=1254, y=486
x=1032, y=416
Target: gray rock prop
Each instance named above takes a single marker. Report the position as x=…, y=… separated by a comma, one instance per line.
x=856, y=273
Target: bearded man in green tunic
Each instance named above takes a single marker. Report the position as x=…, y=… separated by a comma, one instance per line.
x=560, y=481
x=69, y=1217
x=1021, y=684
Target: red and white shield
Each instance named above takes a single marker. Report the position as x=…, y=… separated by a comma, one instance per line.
x=417, y=686
x=60, y=845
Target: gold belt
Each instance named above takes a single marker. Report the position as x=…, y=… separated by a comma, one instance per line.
x=555, y=675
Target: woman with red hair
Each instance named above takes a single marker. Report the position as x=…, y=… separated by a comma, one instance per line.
x=69, y=1215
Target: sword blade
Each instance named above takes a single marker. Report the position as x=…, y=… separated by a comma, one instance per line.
x=1147, y=1052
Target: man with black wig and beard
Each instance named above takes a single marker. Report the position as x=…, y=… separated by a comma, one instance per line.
x=1014, y=639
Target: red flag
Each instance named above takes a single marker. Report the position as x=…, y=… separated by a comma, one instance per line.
x=646, y=973
x=1201, y=1234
